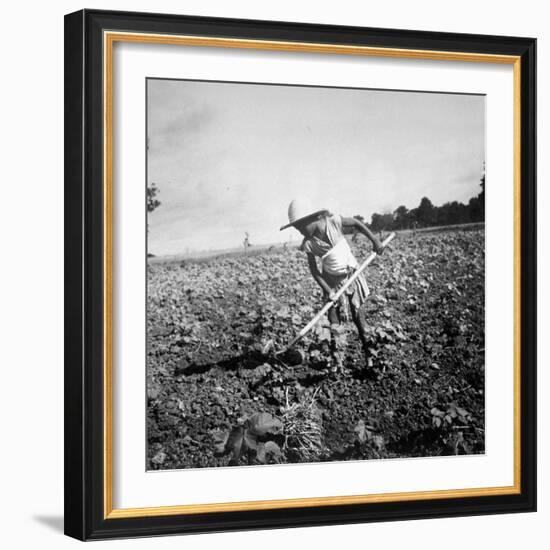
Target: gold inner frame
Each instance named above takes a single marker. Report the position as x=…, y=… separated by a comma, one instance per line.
x=109, y=39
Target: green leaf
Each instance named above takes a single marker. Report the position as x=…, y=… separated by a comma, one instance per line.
x=269, y=453
x=159, y=458
x=220, y=440
x=296, y=319
x=283, y=312
x=379, y=442
x=323, y=333
x=362, y=431
x=234, y=444
x=262, y=424
x=250, y=440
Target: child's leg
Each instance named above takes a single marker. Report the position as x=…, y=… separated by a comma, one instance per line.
x=359, y=316
x=334, y=319
x=333, y=316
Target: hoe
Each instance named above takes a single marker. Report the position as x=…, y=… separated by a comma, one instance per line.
x=294, y=357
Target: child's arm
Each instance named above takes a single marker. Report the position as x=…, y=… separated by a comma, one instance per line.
x=317, y=275
x=360, y=226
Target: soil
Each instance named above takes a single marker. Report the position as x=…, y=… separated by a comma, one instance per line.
x=213, y=327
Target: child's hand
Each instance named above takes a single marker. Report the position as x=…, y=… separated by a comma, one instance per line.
x=330, y=296
x=378, y=247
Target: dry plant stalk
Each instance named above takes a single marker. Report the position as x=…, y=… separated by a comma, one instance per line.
x=302, y=428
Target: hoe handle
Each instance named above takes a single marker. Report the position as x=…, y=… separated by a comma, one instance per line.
x=340, y=291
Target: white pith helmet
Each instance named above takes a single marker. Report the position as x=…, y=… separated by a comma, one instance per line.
x=300, y=209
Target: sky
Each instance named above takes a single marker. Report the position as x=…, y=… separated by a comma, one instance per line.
x=228, y=158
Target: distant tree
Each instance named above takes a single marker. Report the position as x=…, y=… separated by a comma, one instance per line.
x=452, y=213
x=481, y=196
x=380, y=222
x=376, y=222
x=152, y=202
x=474, y=209
x=425, y=212
x=476, y=205
x=401, y=218
x=413, y=218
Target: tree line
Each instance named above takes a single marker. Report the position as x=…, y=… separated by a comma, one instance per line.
x=428, y=215
x=424, y=215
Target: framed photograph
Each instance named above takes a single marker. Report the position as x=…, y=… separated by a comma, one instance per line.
x=300, y=274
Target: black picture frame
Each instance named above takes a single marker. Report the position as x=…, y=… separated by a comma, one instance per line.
x=84, y=391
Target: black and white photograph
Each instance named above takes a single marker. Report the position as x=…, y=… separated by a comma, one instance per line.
x=315, y=274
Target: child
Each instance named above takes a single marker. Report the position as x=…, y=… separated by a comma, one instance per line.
x=324, y=238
